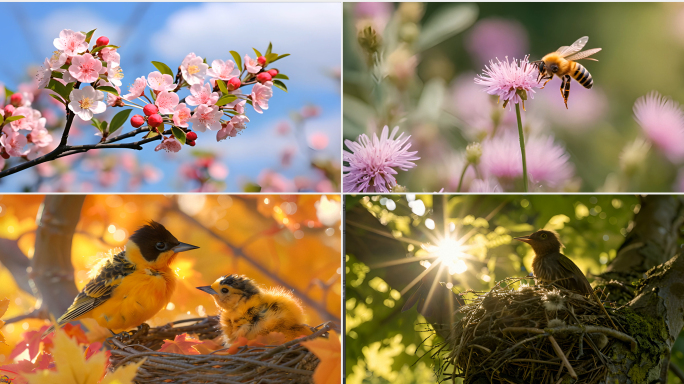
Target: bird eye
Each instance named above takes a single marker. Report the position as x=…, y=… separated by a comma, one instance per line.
x=543, y=236
x=224, y=290
x=160, y=246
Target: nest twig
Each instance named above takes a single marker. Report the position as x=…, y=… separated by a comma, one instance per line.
x=532, y=334
x=286, y=363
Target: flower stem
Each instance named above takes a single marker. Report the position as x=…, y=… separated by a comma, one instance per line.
x=460, y=181
x=522, y=146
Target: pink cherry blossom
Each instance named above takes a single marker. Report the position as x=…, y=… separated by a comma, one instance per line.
x=228, y=130
x=252, y=65
x=86, y=68
x=57, y=59
x=70, y=42
x=86, y=102
x=240, y=106
x=114, y=73
x=202, y=94
x=318, y=140
x=43, y=74
x=40, y=136
x=309, y=111
x=181, y=115
x=260, y=96
x=31, y=116
x=206, y=117
x=239, y=122
x=283, y=128
x=167, y=102
x=170, y=144
x=112, y=100
x=159, y=82
x=137, y=89
x=13, y=142
x=110, y=54
x=224, y=70
x=193, y=69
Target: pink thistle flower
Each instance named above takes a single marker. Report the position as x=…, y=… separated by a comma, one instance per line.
x=252, y=65
x=484, y=186
x=169, y=144
x=86, y=68
x=13, y=142
x=86, y=102
x=372, y=161
x=224, y=70
x=508, y=79
x=227, y=130
x=206, y=117
x=136, y=89
x=193, y=69
x=110, y=55
x=202, y=94
x=181, y=115
x=662, y=120
x=114, y=73
x=260, y=96
x=70, y=42
x=159, y=82
x=167, y=102
x=496, y=37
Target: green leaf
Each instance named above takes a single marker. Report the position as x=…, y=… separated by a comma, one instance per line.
x=280, y=85
x=222, y=86
x=251, y=187
x=56, y=74
x=13, y=118
x=163, y=68
x=89, y=35
x=103, y=126
x=108, y=89
x=101, y=47
x=237, y=58
x=250, y=102
x=96, y=123
x=268, y=50
x=57, y=98
x=69, y=88
x=178, y=134
x=153, y=95
x=270, y=57
x=257, y=52
x=8, y=92
x=446, y=23
x=2, y=120
x=225, y=99
x=279, y=57
x=59, y=88
x=119, y=119
x=281, y=76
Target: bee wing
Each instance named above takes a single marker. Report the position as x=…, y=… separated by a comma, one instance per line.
x=575, y=47
x=584, y=54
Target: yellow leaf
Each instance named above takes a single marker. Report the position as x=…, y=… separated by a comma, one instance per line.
x=3, y=308
x=329, y=351
x=73, y=368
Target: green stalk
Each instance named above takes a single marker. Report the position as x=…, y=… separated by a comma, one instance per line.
x=522, y=145
x=460, y=181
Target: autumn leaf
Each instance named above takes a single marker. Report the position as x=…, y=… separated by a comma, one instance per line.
x=207, y=346
x=273, y=338
x=240, y=342
x=14, y=371
x=4, y=303
x=329, y=351
x=181, y=344
x=71, y=366
x=95, y=348
x=75, y=332
x=31, y=341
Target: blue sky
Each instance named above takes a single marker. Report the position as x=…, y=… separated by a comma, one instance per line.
x=167, y=32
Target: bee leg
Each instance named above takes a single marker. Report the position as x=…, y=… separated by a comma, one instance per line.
x=562, y=85
x=566, y=92
x=548, y=79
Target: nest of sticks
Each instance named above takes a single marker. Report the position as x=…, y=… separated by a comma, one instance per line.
x=532, y=334
x=286, y=363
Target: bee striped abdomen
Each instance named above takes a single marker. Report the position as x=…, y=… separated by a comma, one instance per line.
x=582, y=75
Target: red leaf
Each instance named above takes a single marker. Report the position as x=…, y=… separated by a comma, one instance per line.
x=31, y=340
x=76, y=332
x=180, y=345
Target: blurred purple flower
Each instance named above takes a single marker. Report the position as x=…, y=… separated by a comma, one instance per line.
x=495, y=37
x=505, y=79
x=662, y=120
x=372, y=162
x=547, y=163
x=377, y=14
x=484, y=186
x=588, y=106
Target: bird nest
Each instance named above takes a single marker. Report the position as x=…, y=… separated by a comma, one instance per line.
x=531, y=334
x=285, y=363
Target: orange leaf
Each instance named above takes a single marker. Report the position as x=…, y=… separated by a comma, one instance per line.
x=180, y=345
x=14, y=371
x=4, y=303
x=329, y=351
x=207, y=347
x=241, y=342
x=31, y=340
x=273, y=338
x=76, y=332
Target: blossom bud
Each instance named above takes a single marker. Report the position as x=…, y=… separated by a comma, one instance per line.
x=9, y=110
x=233, y=84
x=192, y=136
x=155, y=120
x=473, y=153
x=102, y=40
x=16, y=99
x=190, y=142
x=261, y=60
x=150, y=109
x=273, y=72
x=263, y=77
x=137, y=121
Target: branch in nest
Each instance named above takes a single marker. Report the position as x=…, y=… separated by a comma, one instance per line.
x=575, y=329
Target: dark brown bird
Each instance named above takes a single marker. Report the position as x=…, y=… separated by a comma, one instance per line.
x=551, y=266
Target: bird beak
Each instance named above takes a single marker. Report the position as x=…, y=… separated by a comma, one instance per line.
x=524, y=239
x=208, y=289
x=182, y=247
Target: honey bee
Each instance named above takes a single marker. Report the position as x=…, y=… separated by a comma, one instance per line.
x=562, y=64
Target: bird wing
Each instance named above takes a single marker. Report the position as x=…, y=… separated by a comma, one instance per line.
x=578, y=276
x=100, y=288
x=584, y=54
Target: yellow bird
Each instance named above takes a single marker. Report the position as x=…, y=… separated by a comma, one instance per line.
x=248, y=310
x=129, y=287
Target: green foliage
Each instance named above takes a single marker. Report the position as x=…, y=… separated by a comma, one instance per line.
x=225, y=99
x=163, y=68
x=178, y=134
x=89, y=35
x=449, y=22
x=108, y=89
x=280, y=84
x=119, y=119
x=237, y=58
